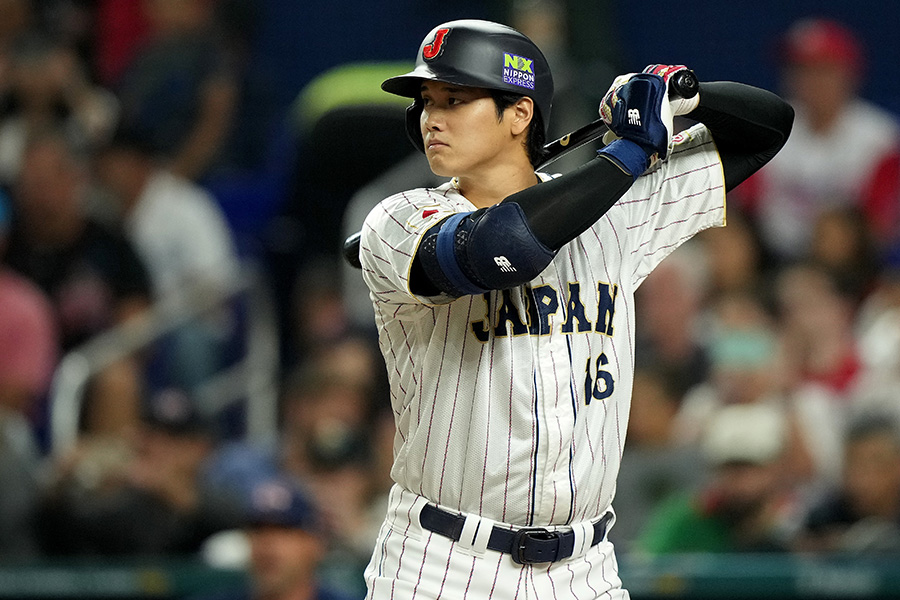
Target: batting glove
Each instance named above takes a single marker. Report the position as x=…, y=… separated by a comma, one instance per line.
x=638, y=110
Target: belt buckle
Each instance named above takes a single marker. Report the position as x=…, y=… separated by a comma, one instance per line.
x=534, y=533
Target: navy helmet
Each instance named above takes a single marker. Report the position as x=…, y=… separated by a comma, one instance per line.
x=476, y=53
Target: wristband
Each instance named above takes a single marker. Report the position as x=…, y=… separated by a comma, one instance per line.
x=630, y=157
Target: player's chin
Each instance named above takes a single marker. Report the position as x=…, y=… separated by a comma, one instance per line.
x=440, y=166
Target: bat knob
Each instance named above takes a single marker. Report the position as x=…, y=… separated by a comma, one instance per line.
x=350, y=250
x=684, y=84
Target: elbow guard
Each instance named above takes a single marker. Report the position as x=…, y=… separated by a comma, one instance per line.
x=489, y=249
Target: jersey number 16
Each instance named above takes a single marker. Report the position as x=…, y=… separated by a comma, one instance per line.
x=598, y=382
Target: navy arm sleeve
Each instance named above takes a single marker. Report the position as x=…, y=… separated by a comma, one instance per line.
x=750, y=125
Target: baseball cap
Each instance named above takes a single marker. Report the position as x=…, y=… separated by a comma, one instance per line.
x=282, y=502
x=811, y=41
x=745, y=433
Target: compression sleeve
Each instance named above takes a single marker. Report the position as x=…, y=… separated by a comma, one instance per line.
x=560, y=209
x=750, y=125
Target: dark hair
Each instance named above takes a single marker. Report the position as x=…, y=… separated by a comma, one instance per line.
x=534, y=141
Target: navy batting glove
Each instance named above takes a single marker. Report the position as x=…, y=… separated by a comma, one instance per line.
x=638, y=111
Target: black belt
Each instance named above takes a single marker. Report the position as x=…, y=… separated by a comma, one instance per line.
x=526, y=545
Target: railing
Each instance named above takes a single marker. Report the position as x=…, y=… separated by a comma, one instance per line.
x=685, y=577
x=254, y=377
x=148, y=578
x=755, y=576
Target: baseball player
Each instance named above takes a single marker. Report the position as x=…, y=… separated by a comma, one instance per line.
x=504, y=300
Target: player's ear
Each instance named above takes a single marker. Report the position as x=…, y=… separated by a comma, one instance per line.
x=522, y=113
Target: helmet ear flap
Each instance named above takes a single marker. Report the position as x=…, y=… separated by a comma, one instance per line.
x=413, y=130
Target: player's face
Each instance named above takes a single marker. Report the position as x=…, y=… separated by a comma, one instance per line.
x=461, y=129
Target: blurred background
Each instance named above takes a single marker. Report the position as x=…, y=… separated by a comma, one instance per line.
x=192, y=400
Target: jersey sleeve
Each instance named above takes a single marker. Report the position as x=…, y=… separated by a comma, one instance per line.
x=669, y=205
x=390, y=238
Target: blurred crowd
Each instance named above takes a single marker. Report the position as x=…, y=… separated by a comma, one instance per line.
x=766, y=408
x=768, y=349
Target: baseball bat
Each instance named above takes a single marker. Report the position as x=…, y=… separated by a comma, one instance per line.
x=683, y=84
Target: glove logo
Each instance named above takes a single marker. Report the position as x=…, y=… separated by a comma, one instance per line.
x=634, y=117
x=504, y=264
x=433, y=50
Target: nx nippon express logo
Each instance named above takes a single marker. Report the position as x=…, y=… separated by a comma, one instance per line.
x=518, y=70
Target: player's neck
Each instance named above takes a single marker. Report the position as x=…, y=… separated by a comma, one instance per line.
x=486, y=190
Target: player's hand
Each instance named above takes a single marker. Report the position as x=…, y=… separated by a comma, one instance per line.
x=638, y=110
x=679, y=105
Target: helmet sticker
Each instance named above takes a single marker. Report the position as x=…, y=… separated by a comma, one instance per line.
x=433, y=50
x=518, y=70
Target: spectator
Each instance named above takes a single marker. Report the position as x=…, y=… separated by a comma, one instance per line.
x=92, y=275
x=152, y=502
x=743, y=352
x=180, y=88
x=742, y=508
x=748, y=367
x=28, y=351
x=670, y=316
x=29, y=342
x=843, y=151
x=50, y=88
x=330, y=445
x=738, y=263
x=183, y=238
x=655, y=466
x=20, y=464
x=862, y=514
x=330, y=426
x=286, y=545
x=18, y=17
x=817, y=321
x=878, y=335
x=120, y=27
x=317, y=317
x=844, y=245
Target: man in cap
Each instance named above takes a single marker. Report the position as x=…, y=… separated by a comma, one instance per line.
x=285, y=542
x=844, y=150
x=739, y=509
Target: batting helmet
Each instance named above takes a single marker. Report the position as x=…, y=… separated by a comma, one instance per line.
x=476, y=53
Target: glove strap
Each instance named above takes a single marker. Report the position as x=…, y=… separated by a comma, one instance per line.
x=630, y=157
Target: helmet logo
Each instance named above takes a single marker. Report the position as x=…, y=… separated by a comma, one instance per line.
x=518, y=70
x=433, y=49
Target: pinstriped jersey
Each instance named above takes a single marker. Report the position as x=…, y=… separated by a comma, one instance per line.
x=513, y=404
